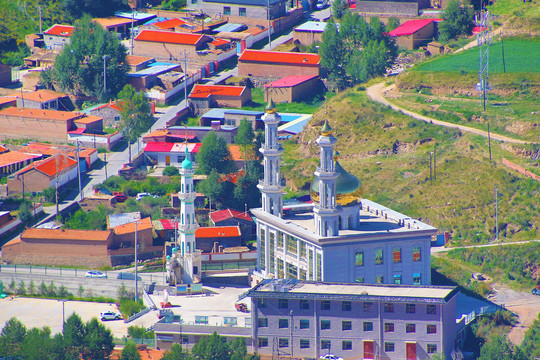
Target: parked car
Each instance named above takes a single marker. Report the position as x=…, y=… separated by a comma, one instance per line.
x=95, y=274
x=241, y=307
x=110, y=315
x=119, y=196
x=142, y=195
x=321, y=4
x=127, y=276
x=330, y=357
x=536, y=290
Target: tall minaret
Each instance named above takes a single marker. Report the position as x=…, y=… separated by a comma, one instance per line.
x=191, y=259
x=271, y=186
x=326, y=213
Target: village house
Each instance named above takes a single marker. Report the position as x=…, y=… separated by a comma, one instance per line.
x=87, y=155
x=44, y=99
x=309, y=32
x=167, y=45
x=277, y=64
x=55, y=171
x=169, y=154
x=292, y=89
x=11, y=161
x=137, y=63
x=232, y=117
x=114, y=24
x=400, y=8
x=57, y=36
x=230, y=217
x=210, y=239
x=203, y=97
x=411, y=34
x=191, y=133
x=251, y=9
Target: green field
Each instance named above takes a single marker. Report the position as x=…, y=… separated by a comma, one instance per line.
x=519, y=8
x=521, y=55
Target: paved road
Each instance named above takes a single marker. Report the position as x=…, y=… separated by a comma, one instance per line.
x=435, y=250
x=376, y=93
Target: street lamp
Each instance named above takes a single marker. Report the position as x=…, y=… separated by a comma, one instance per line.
x=63, y=314
x=105, y=73
x=136, y=281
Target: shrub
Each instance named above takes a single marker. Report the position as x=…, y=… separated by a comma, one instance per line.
x=129, y=307
x=170, y=171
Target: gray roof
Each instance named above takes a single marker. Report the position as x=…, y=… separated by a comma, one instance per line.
x=314, y=26
x=220, y=113
x=246, y=2
x=123, y=218
x=136, y=15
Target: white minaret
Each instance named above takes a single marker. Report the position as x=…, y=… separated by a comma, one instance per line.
x=326, y=213
x=272, y=185
x=191, y=258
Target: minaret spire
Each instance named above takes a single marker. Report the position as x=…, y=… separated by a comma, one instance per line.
x=326, y=212
x=272, y=185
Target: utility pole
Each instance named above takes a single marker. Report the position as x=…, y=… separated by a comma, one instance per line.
x=489, y=142
x=136, y=281
x=269, y=32
x=185, y=77
x=430, y=167
x=132, y=21
x=105, y=73
x=79, y=170
x=40, y=21
x=57, y=176
x=435, y=162
x=105, y=160
x=504, y=62
x=496, y=215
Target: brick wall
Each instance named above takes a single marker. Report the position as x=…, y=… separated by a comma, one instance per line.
x=307, y=38
x=278, y=95
x=519, y=169
x=33, y=181
x=387, y=7
x=246, y=68
x=164, y=51
x=46, y=130
x=109, y=116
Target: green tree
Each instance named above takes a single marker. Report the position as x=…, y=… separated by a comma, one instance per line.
x=170, y=171
x=214, y=155
x=244, y=138
x=37, y=344
x=393, y=23
x=339, y=7
x=174, y=5
x=501, y=348
x=135, y=112
x=49, y=194
x=140, y=332
x=74, y=9
x=98, y=341
x=211, y=347
x=12, y=336
x=73, y=334
x=78, y=69
x=333, y=54
x=25, y=215
x=130, y=352
x=176, y=353
x=211, y=186
x=458, y=20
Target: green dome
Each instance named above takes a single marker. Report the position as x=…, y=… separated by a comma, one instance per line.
x=187, y=164
x=348, y=187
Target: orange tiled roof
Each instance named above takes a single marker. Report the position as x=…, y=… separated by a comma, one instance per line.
x=160, y=132
x=53, y=115
x=219, y=42
x=168, y=37
x=204, y=91
x=54, y=165
x=169, y=24
x=217, y=231
x=50, y=149
x=15, y=157
x=128, y=228
x=280, y=57
x=111, y=21
x=66, y=234
x=60, y=30
x=8, y=99
x=42, y=95
x=3, y=149
x=146, y=354
x=88, y=119
x=253, y=31
x=132, y=60
x=13, y=242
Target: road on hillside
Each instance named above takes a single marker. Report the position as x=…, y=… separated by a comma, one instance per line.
x=376, y=93
x=436, y=250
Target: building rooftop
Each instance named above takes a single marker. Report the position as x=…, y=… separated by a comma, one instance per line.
x=217, y=232
x=311, y=26
x=42, y=95
x=221, y=215
x=248, y=2
x=136, y=15
x=230, y=27
x=15, y=157
x=289, y=81
x=112, y=21
x=129, y=227
x=217, y=113
x=41, y=114
x=375, y=221
x=158, y=146
x=52, y=149
x=133, y=60
x=204, y=128
x=169, y=37
x=115, y=220
x=411, y=26
x=154, y=70
x=89, y=119
x=66, y=234
x=60, y=30
x=205, y=91
x=280, y=57
x=51, y=166
x=292, y=288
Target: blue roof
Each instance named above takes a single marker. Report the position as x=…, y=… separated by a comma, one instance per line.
x=220, y=113
x=295, y=126
x=159, y=63
x=136, y=15
x=247, y=2
x=315, y=26
x=230, y=27
x=156, y=20
x=207, y=128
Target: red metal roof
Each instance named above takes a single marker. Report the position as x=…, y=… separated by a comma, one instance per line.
x=169, y=37
x=290, y=81
x=158, y=147
x=60, y=30
x=217, y=231
x=221, y=215
x=280, y=57
x=170, y=23
x=205, y=91
x=219, y=42
x=410, y=27
x=167, y=224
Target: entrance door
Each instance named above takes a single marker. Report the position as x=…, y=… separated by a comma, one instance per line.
x=167, y=160
x=411, y=351
x=368, y=350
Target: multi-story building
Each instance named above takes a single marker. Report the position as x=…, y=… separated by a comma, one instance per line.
x=302, y=319
x=339, y=237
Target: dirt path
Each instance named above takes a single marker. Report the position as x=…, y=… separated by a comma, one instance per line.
x=376, y=93
x=524, y=304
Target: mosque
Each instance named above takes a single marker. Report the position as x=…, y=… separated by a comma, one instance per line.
x=339, y=237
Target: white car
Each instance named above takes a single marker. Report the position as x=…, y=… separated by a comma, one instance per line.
x=110, y=315
x=321, y=4
x=95, y=274
x=142, y=195
x=330, y=357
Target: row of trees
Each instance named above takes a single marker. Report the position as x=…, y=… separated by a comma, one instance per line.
x=356, y=50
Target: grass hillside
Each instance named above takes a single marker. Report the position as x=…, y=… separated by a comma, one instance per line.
x=390, y=154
